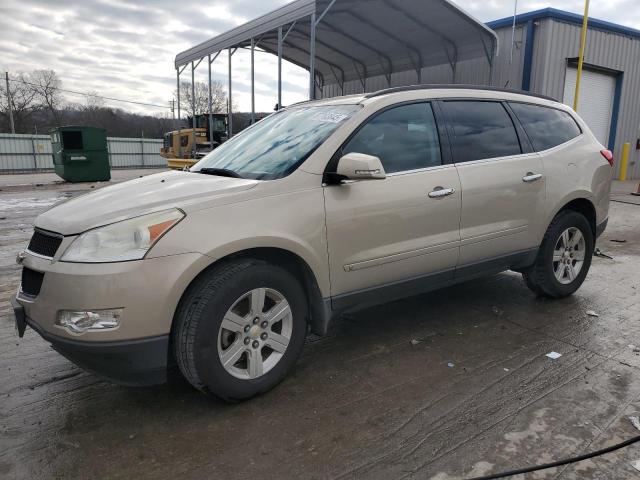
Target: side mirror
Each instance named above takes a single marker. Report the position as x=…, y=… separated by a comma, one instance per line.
x=358, y=166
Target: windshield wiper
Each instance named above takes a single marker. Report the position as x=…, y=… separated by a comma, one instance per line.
x=220, y=172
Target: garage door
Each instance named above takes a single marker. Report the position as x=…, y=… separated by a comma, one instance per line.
x=597, y=91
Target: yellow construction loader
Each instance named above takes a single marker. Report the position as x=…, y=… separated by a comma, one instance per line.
x=185, y=147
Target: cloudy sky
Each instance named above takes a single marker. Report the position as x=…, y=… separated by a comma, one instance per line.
x=126, y=49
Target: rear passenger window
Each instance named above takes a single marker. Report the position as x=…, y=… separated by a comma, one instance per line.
x=481, y=130
x=404, y=138
x=546, y=127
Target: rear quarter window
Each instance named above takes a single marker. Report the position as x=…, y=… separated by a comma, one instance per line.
x=546, y=127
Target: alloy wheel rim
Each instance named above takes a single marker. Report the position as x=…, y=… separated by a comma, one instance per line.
x=255, y=333
x=568, y=255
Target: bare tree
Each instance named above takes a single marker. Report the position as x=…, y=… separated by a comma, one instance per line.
x=37, y=103
x=23, y=102
x=46, y=86
x=93, y=112
x=162, y=125
x=93, y=101
x=199, y=104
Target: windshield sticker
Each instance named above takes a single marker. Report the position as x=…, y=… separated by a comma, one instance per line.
x=329, y=117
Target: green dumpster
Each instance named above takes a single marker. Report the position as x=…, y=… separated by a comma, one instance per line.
x=80, y=154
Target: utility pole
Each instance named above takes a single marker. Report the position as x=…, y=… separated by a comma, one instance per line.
x=583, y=46
x=13, y=127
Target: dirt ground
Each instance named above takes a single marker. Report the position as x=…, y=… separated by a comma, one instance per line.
x=442, y=386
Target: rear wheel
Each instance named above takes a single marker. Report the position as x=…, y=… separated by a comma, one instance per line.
x=240, y=329
x=564, y=257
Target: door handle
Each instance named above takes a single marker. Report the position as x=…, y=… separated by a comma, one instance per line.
x=440, y=192
x=531, y=177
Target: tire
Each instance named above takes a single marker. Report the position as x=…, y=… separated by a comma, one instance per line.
x=209, y=326
x=559, y=276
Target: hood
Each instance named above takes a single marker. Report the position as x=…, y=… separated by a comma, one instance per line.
x=137, y=197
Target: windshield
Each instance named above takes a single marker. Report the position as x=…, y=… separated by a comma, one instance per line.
x=277, y=145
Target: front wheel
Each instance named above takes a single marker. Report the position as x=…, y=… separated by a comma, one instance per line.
x=240, y=329
x=564, y=257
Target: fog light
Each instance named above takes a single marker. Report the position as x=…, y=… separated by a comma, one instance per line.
x=84, y=321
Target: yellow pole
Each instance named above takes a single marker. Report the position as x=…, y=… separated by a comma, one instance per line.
x=624, y=162
x=583, y=44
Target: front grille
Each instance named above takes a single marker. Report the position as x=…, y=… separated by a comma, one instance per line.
x=31, y=281
x=44, y=243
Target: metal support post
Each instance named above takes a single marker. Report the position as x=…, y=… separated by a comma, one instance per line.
x=312, y=59
x=230, y=107
x=253, y=82
x=492, y=66
x=142, y=149
x=178, y=92
x=193, y=104
x=178, y=95
x=280, y=40
x=33, y=152
x=210, y=105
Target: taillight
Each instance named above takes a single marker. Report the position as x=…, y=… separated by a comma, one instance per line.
x=608, y=155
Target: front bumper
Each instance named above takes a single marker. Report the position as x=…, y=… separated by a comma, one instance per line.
x=147, y=291
x=137, y=362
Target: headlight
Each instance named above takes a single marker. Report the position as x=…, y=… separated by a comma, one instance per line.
x=119, y=242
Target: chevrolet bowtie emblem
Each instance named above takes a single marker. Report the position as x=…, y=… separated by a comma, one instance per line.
x=20, y=257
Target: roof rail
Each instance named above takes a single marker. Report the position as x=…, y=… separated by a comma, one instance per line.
x=456, y=86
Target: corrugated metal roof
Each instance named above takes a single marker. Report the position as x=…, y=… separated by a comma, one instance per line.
x=363, y=38
x=568, y=17
x=253, y=29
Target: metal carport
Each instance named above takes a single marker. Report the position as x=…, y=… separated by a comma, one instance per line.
x=343, y=40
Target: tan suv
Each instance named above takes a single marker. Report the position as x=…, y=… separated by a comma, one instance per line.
x=321, y=207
